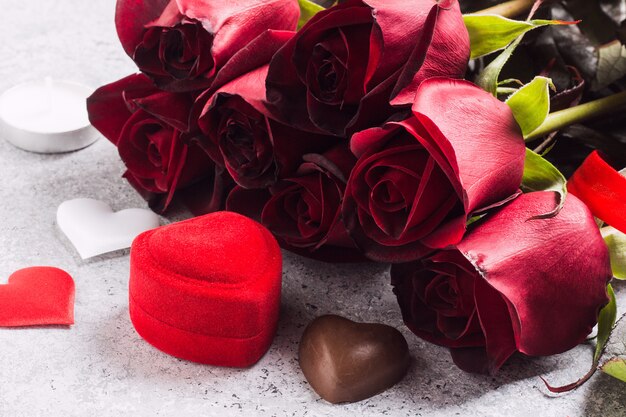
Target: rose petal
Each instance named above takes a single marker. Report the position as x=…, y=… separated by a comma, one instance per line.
x=496, y=325
x=169, y=107
x=553, y=272
x=141, y=132
x=370, y=140
x=245, y=95
x=496, y=139
x=130, y=18
x=472, y=359
x=374, y=108
x=408, y=280
x=255, y=54
x=416, y=60
x=239, y=22
x=401, y=23
x=447, y=54
x=328, y=117
x=108, y=106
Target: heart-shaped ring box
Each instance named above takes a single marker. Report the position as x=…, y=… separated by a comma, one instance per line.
x=207, y=289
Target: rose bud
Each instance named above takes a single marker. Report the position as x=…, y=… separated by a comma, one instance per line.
x=515, y=283
x=418, y=181
x=182, y=44
x=341, y=70
x=304, y=211
x=147, y=126
x=243, y=135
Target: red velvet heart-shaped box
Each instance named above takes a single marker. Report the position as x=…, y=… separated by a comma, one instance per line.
x=207, y=289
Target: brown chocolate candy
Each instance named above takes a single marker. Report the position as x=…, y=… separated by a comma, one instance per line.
x=345, y=361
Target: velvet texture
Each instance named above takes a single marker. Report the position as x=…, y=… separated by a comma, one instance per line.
x=37, y=296
x=418, y=181
x=602, y=188
x=207, y=289
x=182, y=44
x=514, y=283
x=342, y=69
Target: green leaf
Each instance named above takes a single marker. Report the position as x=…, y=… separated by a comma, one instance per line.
x=615, y=367
x=488, y=78
x=491, y=33
x=308, y=9
x=541, y=175
x=474, y=219
x=606, y=321
x=531, y=103
x=616, y=241
x=611, y=64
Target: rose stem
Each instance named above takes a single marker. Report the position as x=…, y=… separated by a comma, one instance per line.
x=579, y=114
x=511, y=8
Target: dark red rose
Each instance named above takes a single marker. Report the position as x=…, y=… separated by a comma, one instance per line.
x=182, y=44
x=303, y=211
x=418, y=181
x=348, y=62
x=148, y=127
x=242, y=133
x=511, y=285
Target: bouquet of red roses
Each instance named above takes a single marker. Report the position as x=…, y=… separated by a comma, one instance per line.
x=350, y=134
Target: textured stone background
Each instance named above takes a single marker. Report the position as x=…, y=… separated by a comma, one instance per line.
x=100, y=366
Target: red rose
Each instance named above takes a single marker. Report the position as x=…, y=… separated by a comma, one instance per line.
x=418, y=181
x=513, y=284
x=241, y=132
x=182, y=44
x=147, y=126
x=305, y=210
x=345, y=65
x=243, y=136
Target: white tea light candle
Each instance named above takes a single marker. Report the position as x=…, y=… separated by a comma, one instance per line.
x=46, y=116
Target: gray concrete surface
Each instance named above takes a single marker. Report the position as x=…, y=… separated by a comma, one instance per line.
x=101, y=367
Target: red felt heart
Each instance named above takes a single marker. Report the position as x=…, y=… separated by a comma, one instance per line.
x=207, y=289
x=37, y=296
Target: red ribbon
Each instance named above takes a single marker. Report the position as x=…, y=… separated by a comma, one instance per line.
x=602, y=188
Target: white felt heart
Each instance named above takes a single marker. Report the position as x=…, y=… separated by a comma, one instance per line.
x=94, y=229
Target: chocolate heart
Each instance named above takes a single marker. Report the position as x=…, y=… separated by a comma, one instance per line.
x=93, y=228
x=345, y=361
x=37, y=296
